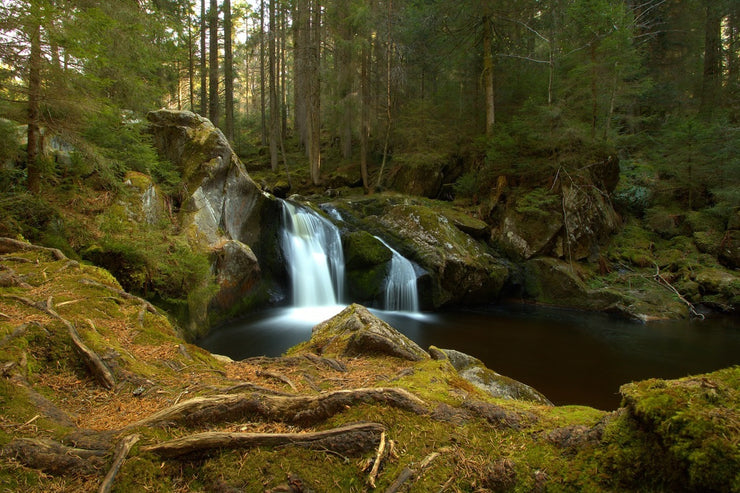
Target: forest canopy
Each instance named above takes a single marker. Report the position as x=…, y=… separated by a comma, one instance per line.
x=517, y=89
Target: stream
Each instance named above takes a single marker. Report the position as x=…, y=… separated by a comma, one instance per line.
x=572, y=357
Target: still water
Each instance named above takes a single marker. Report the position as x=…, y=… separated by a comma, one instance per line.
x=572, y=357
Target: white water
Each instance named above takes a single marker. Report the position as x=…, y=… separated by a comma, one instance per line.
x=400, y=286
x=313, y=251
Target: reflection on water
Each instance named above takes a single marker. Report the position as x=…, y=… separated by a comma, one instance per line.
x=571, y=357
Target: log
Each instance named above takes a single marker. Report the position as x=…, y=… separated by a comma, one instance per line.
x=350, y=440
x=300, y=410
x=9, y=245
x=122, y=450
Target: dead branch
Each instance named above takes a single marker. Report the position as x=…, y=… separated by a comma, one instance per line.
x=664, y=282
x=9, y=245
x=378, y=459
x=119, y=292
x=300, y=410
x=330, y=362
x=350, y=440
x=412, y=474
x=277, y=376
x=122, y=450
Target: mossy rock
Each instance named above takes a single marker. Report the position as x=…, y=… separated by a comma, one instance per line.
x=362, y=250
x=356, y=332
x=718, y=281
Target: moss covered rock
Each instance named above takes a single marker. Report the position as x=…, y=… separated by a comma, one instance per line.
x=366, y=263
x=356, y=332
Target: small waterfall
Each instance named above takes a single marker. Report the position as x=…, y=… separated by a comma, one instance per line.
x=313, y=250
x=400, y=285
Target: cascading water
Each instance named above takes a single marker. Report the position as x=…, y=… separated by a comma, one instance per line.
x=313, y=250
x=400, y=286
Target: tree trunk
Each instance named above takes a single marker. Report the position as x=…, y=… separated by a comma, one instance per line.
x=365, y=114
x=191, y=64
x=263, y=105
x=213, y=102
x=33, y=166
x=203, y=65
x=388, y=114
x=314, y=99
x=274, y=109
x=228, y=73
x=712, y=74
x=488, y=74
x=301, y=26
x=345, y=71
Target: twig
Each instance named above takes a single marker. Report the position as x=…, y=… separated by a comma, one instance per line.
x=278, y=376
x=378, y=459
x=663, y=282
x=409, y=473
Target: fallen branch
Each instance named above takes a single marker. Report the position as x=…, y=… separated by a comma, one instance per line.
x=122, y=450
x=9, y=245
x=378, y=459
x=350, y=440
x=409, y=473
x=664, y=282
x=119, y=292
x=300, y=410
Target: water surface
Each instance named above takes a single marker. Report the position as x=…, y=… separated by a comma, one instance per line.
x=570, y=356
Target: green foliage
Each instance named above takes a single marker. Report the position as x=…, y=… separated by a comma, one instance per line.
x=538, y=202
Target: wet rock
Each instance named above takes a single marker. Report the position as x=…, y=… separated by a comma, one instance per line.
x=237, y=273
x=355, y=332
x=366, y=263
x=474, y=371
x=525, y=235
x=589, y=220
x=420, y=175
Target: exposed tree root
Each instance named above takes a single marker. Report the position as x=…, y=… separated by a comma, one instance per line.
x=123, y=294
x=122, y=450
x=411, y=474
x=300, y=410
x=54, y=458
x=9, y=245
x=278, y=376
x=350, y=440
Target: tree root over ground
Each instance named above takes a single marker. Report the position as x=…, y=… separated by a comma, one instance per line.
x=350, y=440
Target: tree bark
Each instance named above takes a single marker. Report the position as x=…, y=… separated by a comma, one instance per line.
x=274, y=106
x=314, y=93
x=365, y=114
x=213, y=100
x=488, y=75
x=351, y=440
x=263, y=98
x=33, y=166
x=228, y=73
x=712, y=73
x=191, y=63
x=203, y=64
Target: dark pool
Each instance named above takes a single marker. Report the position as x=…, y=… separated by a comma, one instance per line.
x=572, y=357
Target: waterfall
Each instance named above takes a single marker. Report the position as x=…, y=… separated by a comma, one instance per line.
x=313, y=251
x=400, y=285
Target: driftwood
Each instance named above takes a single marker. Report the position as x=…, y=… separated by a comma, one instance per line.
x=122, y=450
x=119, y=292
x=409, y=473
x=54, y=458
x=9, y=245
x=300, y=410
x=350, y=440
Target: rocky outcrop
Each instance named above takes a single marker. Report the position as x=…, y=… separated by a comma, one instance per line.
x=223, y=210
x=357, y=332
x=474, y=371
x=366, y=266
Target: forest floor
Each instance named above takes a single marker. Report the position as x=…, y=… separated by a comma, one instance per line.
x=98, y=390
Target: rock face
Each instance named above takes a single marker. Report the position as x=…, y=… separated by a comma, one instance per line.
x=355, y=331
x=223, y=210
x=474, y=371
x=366, y=266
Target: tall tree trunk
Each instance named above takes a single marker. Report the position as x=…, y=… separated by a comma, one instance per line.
x=314, y=102
x=33, y=167
x=274, y=109
x=191, y=63
x=712, y=74
x=283, y=74
x=594, y=91
x=228, y=73
x=365, y=114
x=263, y=105
x=301, y=26
x=213, y=100
x=388, y=114
x=345, y=71
x=488, y=74
x=203, y=65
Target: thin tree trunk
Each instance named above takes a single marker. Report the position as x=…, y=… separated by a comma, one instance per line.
x=314, y=103
x=302, y=22
x=488, y=75
x=33, y=178
x=191, y=63
x=712, y=75
x=263, y=105
x=283, y=75
x=365, y=114
x=213, y=102
x=203, y=66
x=274, y=110
x=388, y=52
x=228, y=73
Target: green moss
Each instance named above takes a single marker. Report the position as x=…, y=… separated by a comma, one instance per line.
x=538, y=202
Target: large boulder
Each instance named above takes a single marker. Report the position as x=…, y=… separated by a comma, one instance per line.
x=589, y=220
x=366, y=266
x=356, y=332
x=223, y=210
x=474, y=371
